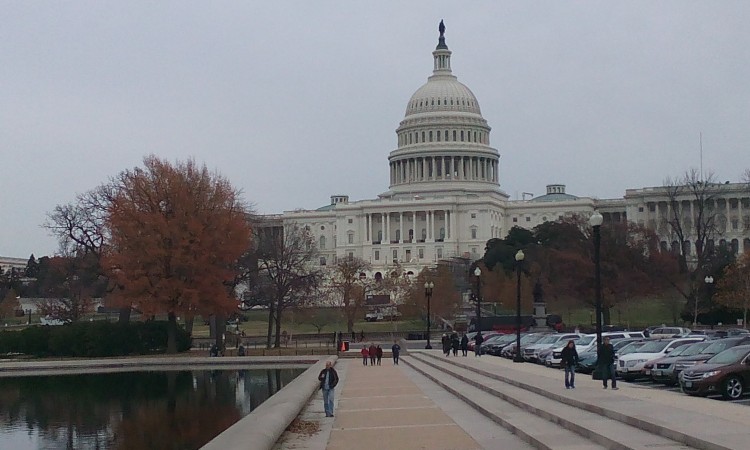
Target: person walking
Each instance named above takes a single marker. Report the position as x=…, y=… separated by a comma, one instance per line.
x=478, y=339
x=328, y=380
x=569, y=358
x=373, y=351
x=379, y=353
x=365, y=354
x=464, y=345
x=395, y=351
x=606, y=364
x=455, y=343
x=446, y=344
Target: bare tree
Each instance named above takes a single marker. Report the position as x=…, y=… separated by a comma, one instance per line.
x=692, y=218
x=350, y=286
x=288, y=269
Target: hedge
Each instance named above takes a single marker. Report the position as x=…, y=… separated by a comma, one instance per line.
x=92, y=339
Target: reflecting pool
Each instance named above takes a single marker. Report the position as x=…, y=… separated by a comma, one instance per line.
x=130, y=410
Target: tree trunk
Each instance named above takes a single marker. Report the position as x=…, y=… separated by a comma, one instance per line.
x=606, y=315
x=172, y=333
x=350, y=325
x=124, y=315
x=221, y=328
x=277, y=338
x=189, y=320
x=270, y=325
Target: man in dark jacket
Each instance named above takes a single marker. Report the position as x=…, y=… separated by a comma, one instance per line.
x=478, y=339
x=396, y=351
x=569, y=358
x=464, y=344
x=328, y=380
x=606, y=363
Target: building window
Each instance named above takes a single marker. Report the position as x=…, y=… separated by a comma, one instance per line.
x=442, y=233
x=473, y=233
x=430, y=136
x=473, y=215
x=515, y=219
x=735, y=224
x=350, y=220
x=439, y=252
x=528, y=219
x=423, y=136
x=407, y=255
x=398, y=235
x=395, y=255
x=424, y=234
x=350, y=237
x=350, y=256
x=454, y=135
x=322, y=260
x=377, y=255
x=474, y=250
x=544, y=218
x=462, y=135
x=652, y=207
x=640, y=209
x=322, y=243
x=446, y=135
x=380, y=235
x=420, y=253
x=438, y=136
x=322, y=228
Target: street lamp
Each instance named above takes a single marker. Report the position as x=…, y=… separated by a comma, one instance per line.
x=595, y=221
x=428, y=293
x=709, y=280
x=478, y=273
x=519, y=261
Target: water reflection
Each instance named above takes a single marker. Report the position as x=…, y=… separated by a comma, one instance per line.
x=130, y=410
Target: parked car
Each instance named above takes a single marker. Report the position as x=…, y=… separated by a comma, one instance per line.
x=509, y=351
x=648, y=368
x=630, y=366
x=495, y=344
x=726, y=373
x=485, y=335
x=664, y=370
x=531, y=352
x=716, y=347
x=668, y=332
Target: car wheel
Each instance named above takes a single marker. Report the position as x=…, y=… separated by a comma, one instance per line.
x=732, y=388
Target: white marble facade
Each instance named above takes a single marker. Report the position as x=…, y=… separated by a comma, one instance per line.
x=444, y=198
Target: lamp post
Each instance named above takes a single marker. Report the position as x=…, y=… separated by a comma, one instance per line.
x=519, y=261
x=709, y=280
x=478, y=274
x=596, y=220
x=428, y=293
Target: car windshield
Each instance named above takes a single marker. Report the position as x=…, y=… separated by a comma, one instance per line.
x=531, y=338
x=716, y=347
x=547, y=340
x=585, y=340
x=630, y=348
x=653, y=347
x=729, y=356
x=679, y=350
x=694, y=349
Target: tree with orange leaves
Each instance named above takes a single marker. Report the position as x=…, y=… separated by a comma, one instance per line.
x=176, y=231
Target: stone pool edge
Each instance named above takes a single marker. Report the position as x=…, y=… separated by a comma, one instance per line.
x=264, y=426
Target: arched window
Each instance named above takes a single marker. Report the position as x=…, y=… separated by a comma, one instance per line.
x=322, y=243
x=462, y=135
x=398, y=235
x=430, y=135
x=411, y=234
x=442, y=233
x=446, y=135
x=454, y=135
x=423, y=139
x=380, y=235
x=424, y=233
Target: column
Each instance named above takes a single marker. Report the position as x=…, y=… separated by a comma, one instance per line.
x=382, y=228
x=401, y=227
x=428, y=220
x=447, y=225
x=461, y=173
x=367, y=229
x=424, y=169
x=414, y=224
x=454, y=236
x=388, y=227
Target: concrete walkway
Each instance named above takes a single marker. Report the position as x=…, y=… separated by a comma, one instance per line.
x=381, y=408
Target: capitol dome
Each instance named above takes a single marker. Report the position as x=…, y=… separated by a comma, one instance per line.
x=443, y=140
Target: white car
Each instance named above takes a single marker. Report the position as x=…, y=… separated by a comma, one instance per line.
x=630, y=366
x=668, y=332
x=587, y=344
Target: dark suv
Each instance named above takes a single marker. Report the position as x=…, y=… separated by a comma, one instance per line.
x=717, y=346
x=727, y=373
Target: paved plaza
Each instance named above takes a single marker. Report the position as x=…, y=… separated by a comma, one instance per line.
x=433, y=402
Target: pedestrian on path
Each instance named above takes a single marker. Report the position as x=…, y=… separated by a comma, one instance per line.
x=365, y=355
x=464, y=345
x=569, y=359
x=446, y=344
x=395, y=350
x=328, y=380
x=606, y=363
x=379, y=353
x=373, y=351
x=478, y=339
x=455, y=343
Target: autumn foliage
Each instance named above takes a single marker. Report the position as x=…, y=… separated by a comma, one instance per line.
x=176, y=231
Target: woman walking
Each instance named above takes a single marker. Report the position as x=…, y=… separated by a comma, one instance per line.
x=379, y=353
x=465, y=345
x=569, y=359
x=365, y=354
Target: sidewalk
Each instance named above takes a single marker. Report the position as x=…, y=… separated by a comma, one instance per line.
x=381, y=408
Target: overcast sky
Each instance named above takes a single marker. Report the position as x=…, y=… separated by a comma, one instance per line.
x=295, y=101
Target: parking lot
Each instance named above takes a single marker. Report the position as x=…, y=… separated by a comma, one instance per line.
x=648, y=384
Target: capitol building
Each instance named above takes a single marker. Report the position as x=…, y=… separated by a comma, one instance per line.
x=444, y=198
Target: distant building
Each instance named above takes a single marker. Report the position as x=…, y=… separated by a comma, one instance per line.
x=444, y=199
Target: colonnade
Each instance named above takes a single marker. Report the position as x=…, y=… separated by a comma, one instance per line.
x=390, y=227
x=433, y=168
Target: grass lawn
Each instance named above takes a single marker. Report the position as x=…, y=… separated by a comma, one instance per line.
x=634, y=314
